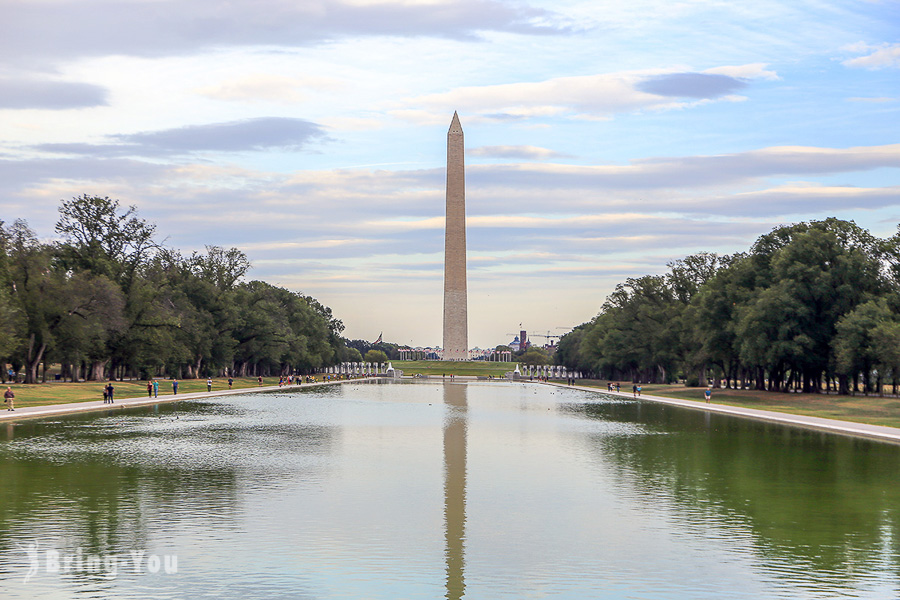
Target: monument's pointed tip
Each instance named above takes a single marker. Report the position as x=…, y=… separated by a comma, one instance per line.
x=454, y=124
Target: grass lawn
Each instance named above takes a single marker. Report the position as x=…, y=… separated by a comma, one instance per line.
x=465, y=367
x=39, y=394
x=873, y=410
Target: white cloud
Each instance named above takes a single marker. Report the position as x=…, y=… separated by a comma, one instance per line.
x=879, y=57
x=750, y=71
x=269, y=88
x=584, y=96
x=523, y=152
x=154, y=28
x=875, y=100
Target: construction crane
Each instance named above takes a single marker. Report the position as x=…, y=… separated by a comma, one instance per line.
x=548, y=337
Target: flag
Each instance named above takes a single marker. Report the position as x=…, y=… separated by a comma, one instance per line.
x=378, y=341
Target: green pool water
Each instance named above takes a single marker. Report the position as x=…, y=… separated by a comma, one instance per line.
x=423, y=490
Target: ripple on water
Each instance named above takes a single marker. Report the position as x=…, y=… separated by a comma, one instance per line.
x=407, y=491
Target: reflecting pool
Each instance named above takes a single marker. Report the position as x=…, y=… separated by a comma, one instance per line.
x=424, y=490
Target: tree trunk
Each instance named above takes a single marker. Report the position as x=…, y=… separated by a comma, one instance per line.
x=34, y=360
x=98, y=370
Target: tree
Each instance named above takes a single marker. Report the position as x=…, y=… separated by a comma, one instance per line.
x=222, y=268
x=867, y=341
x=375, y=356
x=817, y=273
x=100, y=238
x=10, y=314
x=535, y=356
x=108, y=298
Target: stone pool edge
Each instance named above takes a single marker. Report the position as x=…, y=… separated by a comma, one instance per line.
x=847, y=428
x=53, y=410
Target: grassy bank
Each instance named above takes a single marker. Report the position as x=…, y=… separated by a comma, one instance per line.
x=873, y=410
x=40, y=394
x=437, y=367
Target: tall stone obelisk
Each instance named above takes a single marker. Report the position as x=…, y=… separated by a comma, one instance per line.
x=456, y=326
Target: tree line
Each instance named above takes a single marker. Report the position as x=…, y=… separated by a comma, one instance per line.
x=107, y=300
x=811, y=307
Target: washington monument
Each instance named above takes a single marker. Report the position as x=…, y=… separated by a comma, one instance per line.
x=456, y=326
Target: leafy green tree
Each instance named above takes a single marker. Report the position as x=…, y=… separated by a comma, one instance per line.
x=867, y=342
x=535, y=356
x=712, y=319
x=375, y=356
x=101, y=238
x=10, y=315
x=568, y=351
x=819, y=272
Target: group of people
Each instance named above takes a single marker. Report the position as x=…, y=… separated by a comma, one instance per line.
x=108, y=391
x=153, y=386
x=153, y=389
x=636, y=390
x=615, y=387
x=289, y=380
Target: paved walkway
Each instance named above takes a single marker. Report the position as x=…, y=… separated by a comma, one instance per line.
x=877, y=432
x=34, y=412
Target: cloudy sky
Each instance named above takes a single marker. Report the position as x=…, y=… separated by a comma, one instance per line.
x=604, y=138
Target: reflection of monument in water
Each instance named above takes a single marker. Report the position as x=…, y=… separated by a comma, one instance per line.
x=456, y=327
x=455, y=488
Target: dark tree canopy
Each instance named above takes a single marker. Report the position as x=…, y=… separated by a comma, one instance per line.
x=811, y=306
x=109, y=300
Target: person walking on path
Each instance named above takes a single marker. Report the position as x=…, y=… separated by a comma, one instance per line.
x=634, y=391
x=9, y=397
x=230, y=382
x=208, y=384
x=109, y=392
x=149, y=389
x=708, y=394
x=639, y=390
x=174, y=387
x=259, y=380
x=155, y=389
